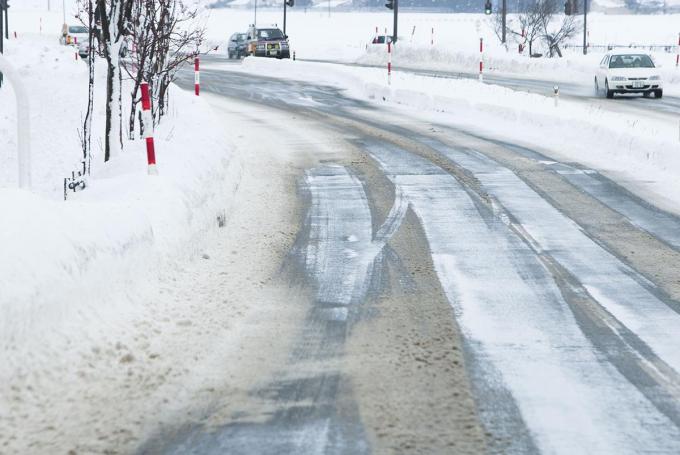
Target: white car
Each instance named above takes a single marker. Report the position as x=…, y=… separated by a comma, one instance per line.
x=74, y=35
x=628, y=72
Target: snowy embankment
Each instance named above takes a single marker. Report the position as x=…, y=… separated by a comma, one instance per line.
x=457, y=49
x=640, y=148
x=73, y=271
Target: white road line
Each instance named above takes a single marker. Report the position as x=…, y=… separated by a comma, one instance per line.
x=514, y=317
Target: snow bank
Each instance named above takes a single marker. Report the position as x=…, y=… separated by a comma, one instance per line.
x=72, y=269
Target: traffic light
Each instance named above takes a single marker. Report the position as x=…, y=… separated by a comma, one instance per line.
x=290, y=3
x=487, y=7
x=567, y=8
x=390, y=4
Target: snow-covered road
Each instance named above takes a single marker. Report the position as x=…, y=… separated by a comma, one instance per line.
x=557, y=291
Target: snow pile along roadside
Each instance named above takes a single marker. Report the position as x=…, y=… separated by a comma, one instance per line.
x=574, y=67
x=71, y=271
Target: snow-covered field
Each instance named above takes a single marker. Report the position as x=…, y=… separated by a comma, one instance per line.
x=345, y=36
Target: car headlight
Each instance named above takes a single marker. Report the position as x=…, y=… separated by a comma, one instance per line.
x=655, y=78
x=618, y=78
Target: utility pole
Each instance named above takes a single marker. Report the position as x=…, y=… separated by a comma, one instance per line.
x=3, y=23
x=255, y=20
x=394, y=6
x=505, y=12
x=585, y=27
x=64, y=7
x=396, y=21
x=286, y=3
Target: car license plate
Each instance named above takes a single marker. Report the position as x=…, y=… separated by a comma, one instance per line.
x=638, y=84
x=273, y=52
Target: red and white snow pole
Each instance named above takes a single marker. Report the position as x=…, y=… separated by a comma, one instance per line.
x=389, y=63
x=432, y=37
x=197, y=76
x=521, y=45
x=481, y=59
x=148, y=129
x=677, y=53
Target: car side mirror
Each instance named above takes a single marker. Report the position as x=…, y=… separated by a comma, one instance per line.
x=285, y=36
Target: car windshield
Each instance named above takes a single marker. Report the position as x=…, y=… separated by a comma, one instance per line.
x=269, y=33
x=242, y=36
x=77, y=29
x=631, y=61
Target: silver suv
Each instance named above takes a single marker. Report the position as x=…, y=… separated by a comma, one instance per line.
x=268, y=42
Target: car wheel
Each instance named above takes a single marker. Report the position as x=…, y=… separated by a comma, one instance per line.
x=658, y=93
x=610, y=93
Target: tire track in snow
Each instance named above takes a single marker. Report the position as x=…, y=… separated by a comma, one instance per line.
x=661, y=224
x=517, y=324
x=342, y=249
x=620, y=290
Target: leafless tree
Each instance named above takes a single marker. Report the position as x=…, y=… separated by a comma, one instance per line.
x=539, y=21
x=86, y=8
x=165, y=35
x=114, y=16
x=555, y=31
x=147, y=40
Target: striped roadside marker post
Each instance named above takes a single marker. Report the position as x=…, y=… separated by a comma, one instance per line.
x=677, y=53
x=481, y=59
x=389, y=63
x=148, y=129
x=197, y=76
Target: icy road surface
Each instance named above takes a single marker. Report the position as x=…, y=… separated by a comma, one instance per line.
x=467, y=295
